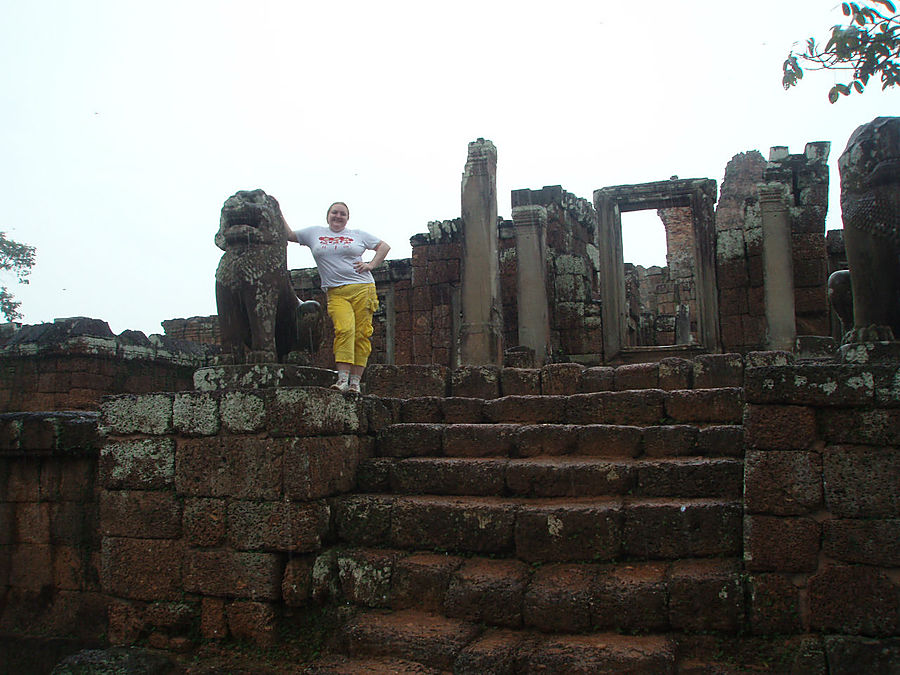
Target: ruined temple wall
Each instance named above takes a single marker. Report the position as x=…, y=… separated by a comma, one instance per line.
x=822, y=502
x=49, y=526
x=740, y=269
x=50, y=367
x=572, y=264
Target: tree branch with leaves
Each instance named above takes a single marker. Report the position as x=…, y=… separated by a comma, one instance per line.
x=868, y=46
x=18, y=259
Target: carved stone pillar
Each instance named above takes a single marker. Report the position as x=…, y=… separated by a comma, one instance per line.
x=531, y=280
x=482, y=329
x=778, y=267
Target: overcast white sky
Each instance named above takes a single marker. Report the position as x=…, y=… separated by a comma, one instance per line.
x=125, y=125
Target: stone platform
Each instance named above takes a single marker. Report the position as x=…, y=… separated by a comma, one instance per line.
x=261, y=376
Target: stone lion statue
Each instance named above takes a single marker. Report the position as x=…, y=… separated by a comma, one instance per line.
x=870, y=207
x=261, y=319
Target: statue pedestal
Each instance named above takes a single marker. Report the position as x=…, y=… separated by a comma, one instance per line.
x=870, y=352
x=261, y=376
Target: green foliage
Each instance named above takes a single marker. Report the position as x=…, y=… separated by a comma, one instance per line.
x=868, y=45
x=19, y=259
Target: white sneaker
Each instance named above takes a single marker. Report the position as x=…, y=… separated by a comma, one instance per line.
x=353, y=388
x=341, y=387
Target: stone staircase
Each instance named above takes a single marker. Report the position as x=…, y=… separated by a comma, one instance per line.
x=589, y=533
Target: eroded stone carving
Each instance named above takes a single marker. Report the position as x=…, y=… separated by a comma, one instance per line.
x=870, y=206
x=260, y=317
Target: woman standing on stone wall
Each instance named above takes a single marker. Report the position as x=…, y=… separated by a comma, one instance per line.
x=349, y=288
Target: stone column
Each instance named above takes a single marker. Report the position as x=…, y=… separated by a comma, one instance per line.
x=778, y=267
x=531, y=280
x=482, y=329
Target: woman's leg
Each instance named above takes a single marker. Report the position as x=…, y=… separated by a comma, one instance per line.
x=342, y=317
x=364, y=303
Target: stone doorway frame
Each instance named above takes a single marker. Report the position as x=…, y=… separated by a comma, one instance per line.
x=610, y=203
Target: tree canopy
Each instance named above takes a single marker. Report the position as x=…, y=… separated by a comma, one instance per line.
x=18, y=259
x=867, y=46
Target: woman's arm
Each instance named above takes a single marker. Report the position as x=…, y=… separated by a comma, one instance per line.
x=289, y=232
x=381, y=252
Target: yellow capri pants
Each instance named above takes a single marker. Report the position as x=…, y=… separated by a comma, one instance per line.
x=351, y=308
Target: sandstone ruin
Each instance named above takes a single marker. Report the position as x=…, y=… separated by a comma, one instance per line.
x=589, y=467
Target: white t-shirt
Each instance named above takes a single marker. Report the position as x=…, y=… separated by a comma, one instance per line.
x=335, y=252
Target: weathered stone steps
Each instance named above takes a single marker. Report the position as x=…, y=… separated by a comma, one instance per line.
x=636, y=406
x=544, y=439
x=447, y=644
x=565, y=476
x=343, y=665
x=543, y=530
x=689, y=596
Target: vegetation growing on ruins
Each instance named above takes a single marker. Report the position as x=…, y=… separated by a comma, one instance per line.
x=19, y=259
x=867, y=46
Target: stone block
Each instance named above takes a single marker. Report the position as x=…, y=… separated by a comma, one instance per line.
x=481, y=525
x=631, y=598
x=243, y=412
x=139, y=513
x=31, y=523
x=363, y=520
x=479, y=440
x=203, y=521
x=277, y=526
x=680, y=528
x=862, y=481
x=814, y=385
x=313, y=411
x=880, y=426
x=781, y=544
x=608, y=440
x=616, y=407
x=496, y=651
x=252, y=621
x=712, y=371
x=675, y=373
x=381, y=413
x=721, y=441
x=144, y=464
x=597, y=379
x=365, y=576
x=196, y=414
x=239, y=574
x=126, y=622
x=571, y=477
x=561, y=379
x=603, y=653
x=420, y=581
x=779, y=427
x=448, y=476
x=526, y=409
x=636, y=376
x=783, y=482
x=520, y=382
x=74, y=523
x=458, y=410
x=722, y=406
x=867, y=542
x=571, y=532
x=411, y=440
x=488, y=591
x=137, y=414
x=854, y=600
x=475, y=382
x=672, y=440
x=213, y=624
x=296, y=586
x=421, y=410
x=538, y=440
x=234, y=466
x=406, y=381
x=706, y=595
x=851, y=654
x=30, y=566
x=141, y=569
x=774, y=605
x=691, y=478
x=316, y=467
